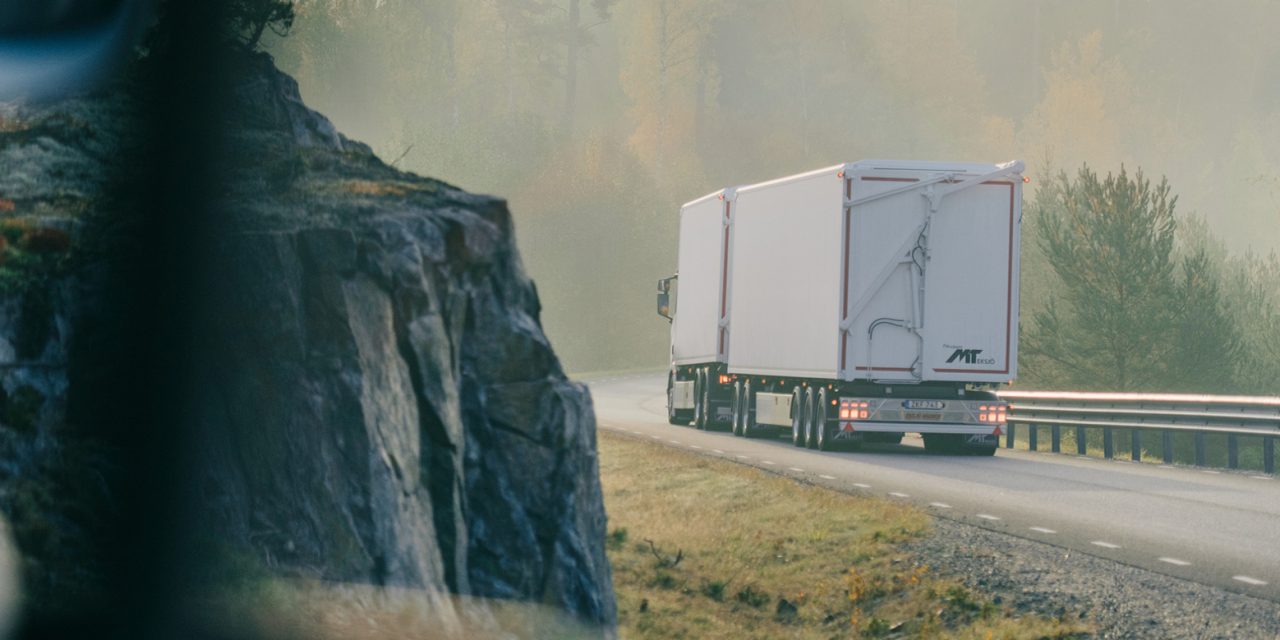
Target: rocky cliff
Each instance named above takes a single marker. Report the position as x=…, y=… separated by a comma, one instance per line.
x=375, y=399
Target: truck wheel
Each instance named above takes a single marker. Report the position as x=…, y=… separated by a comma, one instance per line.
x=748, y=416
x=737, y=408
x=797, y=417
x=941, y=443
x=821, y=426
x=883, y=438
x=810, y=406
x=699, y=398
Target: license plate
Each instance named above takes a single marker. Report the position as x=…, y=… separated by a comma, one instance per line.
x=915, y=416
x=923, y=404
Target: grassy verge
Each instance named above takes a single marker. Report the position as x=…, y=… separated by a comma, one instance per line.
x=709, y=549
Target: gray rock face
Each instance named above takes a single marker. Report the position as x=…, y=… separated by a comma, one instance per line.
x=376, y=401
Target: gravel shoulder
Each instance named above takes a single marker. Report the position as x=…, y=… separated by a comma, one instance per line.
x=1120, y=600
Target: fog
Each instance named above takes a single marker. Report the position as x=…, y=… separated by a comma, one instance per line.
x=671, y=99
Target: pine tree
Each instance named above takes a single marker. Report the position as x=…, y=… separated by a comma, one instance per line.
x=1110, y=241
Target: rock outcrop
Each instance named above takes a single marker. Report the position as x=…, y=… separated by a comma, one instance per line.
x=377, y=402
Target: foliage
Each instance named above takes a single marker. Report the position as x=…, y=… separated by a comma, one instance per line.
x=249, y=19
x=1135, y=309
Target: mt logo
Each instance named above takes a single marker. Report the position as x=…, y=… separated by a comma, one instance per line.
x=966, y=356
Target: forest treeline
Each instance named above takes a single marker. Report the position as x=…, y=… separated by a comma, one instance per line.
x=597, y=118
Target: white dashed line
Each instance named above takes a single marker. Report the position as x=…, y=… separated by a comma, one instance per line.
x=674, y=441
x=717, y=451
x=1174, y=561
x=769, y=462
x=637, y=433
x=796, y=469
x=940, y=505
x=861, y=486
x=826, y=477
x=899, y=495
x=694, y=446
x=656, y=437
x=1248, y=580
x=1042, y=530
x=1105, y=545
x=987, y=516
x=744, y=457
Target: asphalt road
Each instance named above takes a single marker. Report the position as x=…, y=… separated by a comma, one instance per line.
x=1216, y=528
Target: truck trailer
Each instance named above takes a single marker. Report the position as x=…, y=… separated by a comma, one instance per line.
x=851, y=304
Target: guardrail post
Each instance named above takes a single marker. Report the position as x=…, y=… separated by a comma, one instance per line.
x=1108, y=443
x=1135, y=445
x=1008, y=439
x=1199, y=448
x=1055, y=434
x=1082, y=445
x=1269, y=454
x=1031, y=436
x=1233, y=451
x=1168, y=446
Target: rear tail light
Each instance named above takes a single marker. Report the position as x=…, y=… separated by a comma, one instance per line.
x=854, y=410
x=724, y=379
x=994, y=414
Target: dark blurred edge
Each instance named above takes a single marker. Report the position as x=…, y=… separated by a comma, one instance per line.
x=148, y=559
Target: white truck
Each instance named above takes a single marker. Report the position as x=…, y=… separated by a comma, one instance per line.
x=850, y=304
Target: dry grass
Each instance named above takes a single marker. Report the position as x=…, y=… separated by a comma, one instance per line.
x=709, y=549
x=383, y=187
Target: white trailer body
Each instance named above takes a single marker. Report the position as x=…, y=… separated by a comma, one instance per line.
x=886, y=271
x=701, y=259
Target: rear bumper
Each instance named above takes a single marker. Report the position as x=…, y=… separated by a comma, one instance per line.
x=851, y=428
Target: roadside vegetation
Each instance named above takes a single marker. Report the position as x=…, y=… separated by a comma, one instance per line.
x=705, y=548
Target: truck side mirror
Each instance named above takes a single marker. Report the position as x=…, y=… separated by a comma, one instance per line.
x=664, y=298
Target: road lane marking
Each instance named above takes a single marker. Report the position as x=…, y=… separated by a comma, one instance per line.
x=796, y=469
x=861, y=486
x=1042, y=530
x=987, y=516
x=656, y=437
x=1105, y=545
x=826, y=477
x=1174, y=561
x=674, y=441
x=694, y=446
x=717, y=451
x=744, y=457
x=769, y=462
x=899, y=495
x=940, y=505
x=637, y=433
x=1248, y=580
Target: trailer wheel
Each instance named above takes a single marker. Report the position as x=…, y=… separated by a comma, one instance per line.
x=810, y=438
x=737, y=408
x=822, y=427
x=797, y=417
x=748, y=417
x=699, y=398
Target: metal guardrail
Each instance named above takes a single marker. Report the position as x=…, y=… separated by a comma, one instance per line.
x=1139, y=413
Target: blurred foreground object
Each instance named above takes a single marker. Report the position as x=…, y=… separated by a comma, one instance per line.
x=51, y=48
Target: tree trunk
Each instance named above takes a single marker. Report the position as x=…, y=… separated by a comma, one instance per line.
x=571, y=68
